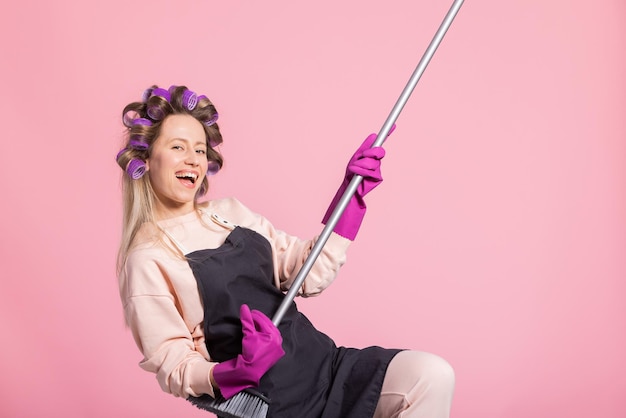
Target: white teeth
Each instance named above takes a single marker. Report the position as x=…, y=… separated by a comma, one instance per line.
x=192, y=176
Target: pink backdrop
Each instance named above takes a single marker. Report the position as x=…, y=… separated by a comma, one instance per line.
x=497, y=240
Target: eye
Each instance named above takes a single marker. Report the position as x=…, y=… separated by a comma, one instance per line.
x=201, y=151
x=178, y=147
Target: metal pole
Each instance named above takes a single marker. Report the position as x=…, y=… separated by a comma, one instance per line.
x=356, y=180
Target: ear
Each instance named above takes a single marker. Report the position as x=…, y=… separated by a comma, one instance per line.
x=147, y=164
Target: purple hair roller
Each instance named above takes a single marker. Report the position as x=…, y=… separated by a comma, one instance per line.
x=146, y=94
x=202, y=97
x=138, y=142
x=154, y=111
x=190, y=99
x=212, y=120
x=136, y=168
x=142, y=121
x=161, y=93
x=119, y=154
x=128, y=119
x=172, y=88
x=212, y=168
x=213, y=143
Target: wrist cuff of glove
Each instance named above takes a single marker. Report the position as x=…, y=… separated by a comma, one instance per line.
x=350, y=220
x=230, y=379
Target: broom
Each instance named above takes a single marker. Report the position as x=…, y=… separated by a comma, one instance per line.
x=250, y=403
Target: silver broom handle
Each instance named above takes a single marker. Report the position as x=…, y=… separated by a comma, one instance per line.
x=356, y=180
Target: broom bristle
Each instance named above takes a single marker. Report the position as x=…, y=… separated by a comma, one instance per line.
x=246, y=404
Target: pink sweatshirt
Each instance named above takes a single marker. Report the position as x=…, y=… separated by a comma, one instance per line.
x=160, y=296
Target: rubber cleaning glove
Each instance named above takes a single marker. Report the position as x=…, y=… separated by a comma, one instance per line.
x=366, y=163
x=261, y=349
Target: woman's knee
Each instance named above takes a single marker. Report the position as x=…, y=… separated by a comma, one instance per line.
x=427, y=371
x=417, y=384
x=437, y=371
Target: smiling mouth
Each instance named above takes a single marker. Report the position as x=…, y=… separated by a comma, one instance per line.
x=191, y=177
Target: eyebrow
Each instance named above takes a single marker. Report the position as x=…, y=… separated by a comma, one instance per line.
x=188, y=141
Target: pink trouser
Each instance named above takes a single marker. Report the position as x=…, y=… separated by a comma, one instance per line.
x=417, y=385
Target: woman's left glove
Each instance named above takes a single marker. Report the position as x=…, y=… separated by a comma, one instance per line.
x=366, y=163
x=261, y=349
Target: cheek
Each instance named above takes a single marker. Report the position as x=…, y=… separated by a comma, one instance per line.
x=156, y=173
x=159, y=164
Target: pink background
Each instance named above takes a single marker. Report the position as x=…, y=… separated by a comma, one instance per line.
x=497, y=240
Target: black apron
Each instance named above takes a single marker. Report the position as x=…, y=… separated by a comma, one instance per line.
x=315, y=378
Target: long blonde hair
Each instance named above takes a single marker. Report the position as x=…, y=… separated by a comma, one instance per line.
x=137, y=194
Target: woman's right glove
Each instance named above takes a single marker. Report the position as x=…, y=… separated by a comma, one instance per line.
x=261, y=349
x=366, y=163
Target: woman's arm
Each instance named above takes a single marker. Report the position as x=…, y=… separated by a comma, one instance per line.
x=152, y=307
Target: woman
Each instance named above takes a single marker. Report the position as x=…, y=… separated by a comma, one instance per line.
x=199, y=281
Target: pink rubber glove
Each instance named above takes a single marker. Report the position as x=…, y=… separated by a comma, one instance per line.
x=261, y=349
x=366, y=163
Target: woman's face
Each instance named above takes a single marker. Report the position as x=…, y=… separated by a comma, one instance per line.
x=177, y=165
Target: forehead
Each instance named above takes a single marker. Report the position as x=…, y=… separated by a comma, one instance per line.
x=184, y=127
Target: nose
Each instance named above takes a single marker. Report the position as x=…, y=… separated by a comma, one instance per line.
x=193, y=158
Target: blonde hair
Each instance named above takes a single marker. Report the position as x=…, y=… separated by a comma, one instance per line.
x=137, y=194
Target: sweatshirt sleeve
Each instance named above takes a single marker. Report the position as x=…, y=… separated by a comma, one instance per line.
x=152, y=313
x=290, y=252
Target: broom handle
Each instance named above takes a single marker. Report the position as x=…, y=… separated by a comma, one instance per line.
x=356, y=179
